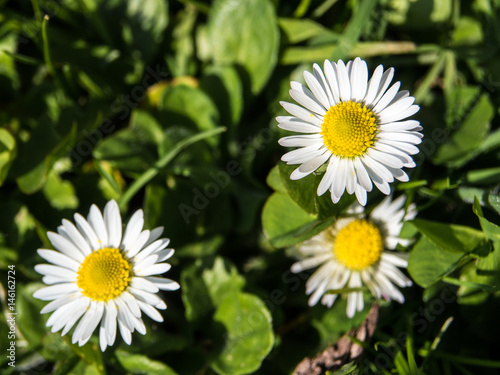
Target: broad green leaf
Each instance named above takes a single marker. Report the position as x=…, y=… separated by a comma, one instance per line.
x=60, y=193
x=297, y=30
x=485, y=271
x=206, y=283
x=189, y=106
x=463, y=141
x=285, y=223
x=8, y=152
x=90, y=354
x=468, y=31
x=245, y=33
x=131, y=150
x=491, y=230
x=302, y=191
x=494, y=201
x=141, y=364
x=29, y=321
x=248, y=337
x=9, y=78
x=428, y=262
x=273, y=180
x=39, y=154
x=223, y=85
x=450, y=237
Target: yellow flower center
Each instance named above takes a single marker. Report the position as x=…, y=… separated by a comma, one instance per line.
x=349, y=129
x=358, y=245
x=104, y=274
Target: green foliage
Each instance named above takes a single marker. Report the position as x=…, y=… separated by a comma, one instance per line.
x=169, y=106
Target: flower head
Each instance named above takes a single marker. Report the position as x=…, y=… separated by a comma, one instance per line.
x=352, y=124
x=99, y=277
x=354, y=251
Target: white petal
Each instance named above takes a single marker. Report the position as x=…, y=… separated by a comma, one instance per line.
x=143, y=284
x=351, y=181
x=65, y=246
x=317, y=89
x=344, y=84
x=305, y=100
x=87, y=231
x=150, y=311
x=301, y=140
x=299, y=126
x=308, y=263
x=303, y=154
x=125, y=333
x=361, y=195
x=331, y=77
x=359, y=79
x=113, y=223
x=96, y=221
x=139, y=244
x=131, y=302
x=327, y=180
x=412, y=125
x=385, y=81
x=373, y=86
x=55, y=291
x=163, y=283
x=59, y=259
x=151, y=249
x=76, y=237
x=48, y=269
x=154, y=235
x=392, y=117
x=387, y=98
x=340, y=179
x=313, y=164
x=386, y=159
x=302, y=113
x=362, y=175
x=155, y=269
x=133, y=229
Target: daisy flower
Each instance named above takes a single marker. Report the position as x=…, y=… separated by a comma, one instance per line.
x=354, y=126
x=100, y=278
x=352, y=252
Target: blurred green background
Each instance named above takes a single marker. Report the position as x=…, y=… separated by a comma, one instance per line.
x=169, y=106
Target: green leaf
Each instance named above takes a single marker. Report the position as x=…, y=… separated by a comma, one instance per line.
x=223, y=85
x=39, y=154
x=428, y=262
x=90, y=354
x=302, y=191
x=486, y=176
x=186, y=105
x=8, y=152
x=463, y=142
x=298, y=30
x=491, y=231
x=206, y=283
x=60, y=193
x=140, y=364
x=494, y=201
x=285, y=223
x=453, y=238
x=249, y=335
x=273, y=180
x=245, y=35
x=29, y=321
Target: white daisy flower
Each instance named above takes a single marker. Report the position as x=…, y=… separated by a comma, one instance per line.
x=99, y=277
x=352, y=253
x=352, y=124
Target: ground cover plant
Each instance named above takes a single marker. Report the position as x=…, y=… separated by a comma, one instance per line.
x=353, y=230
